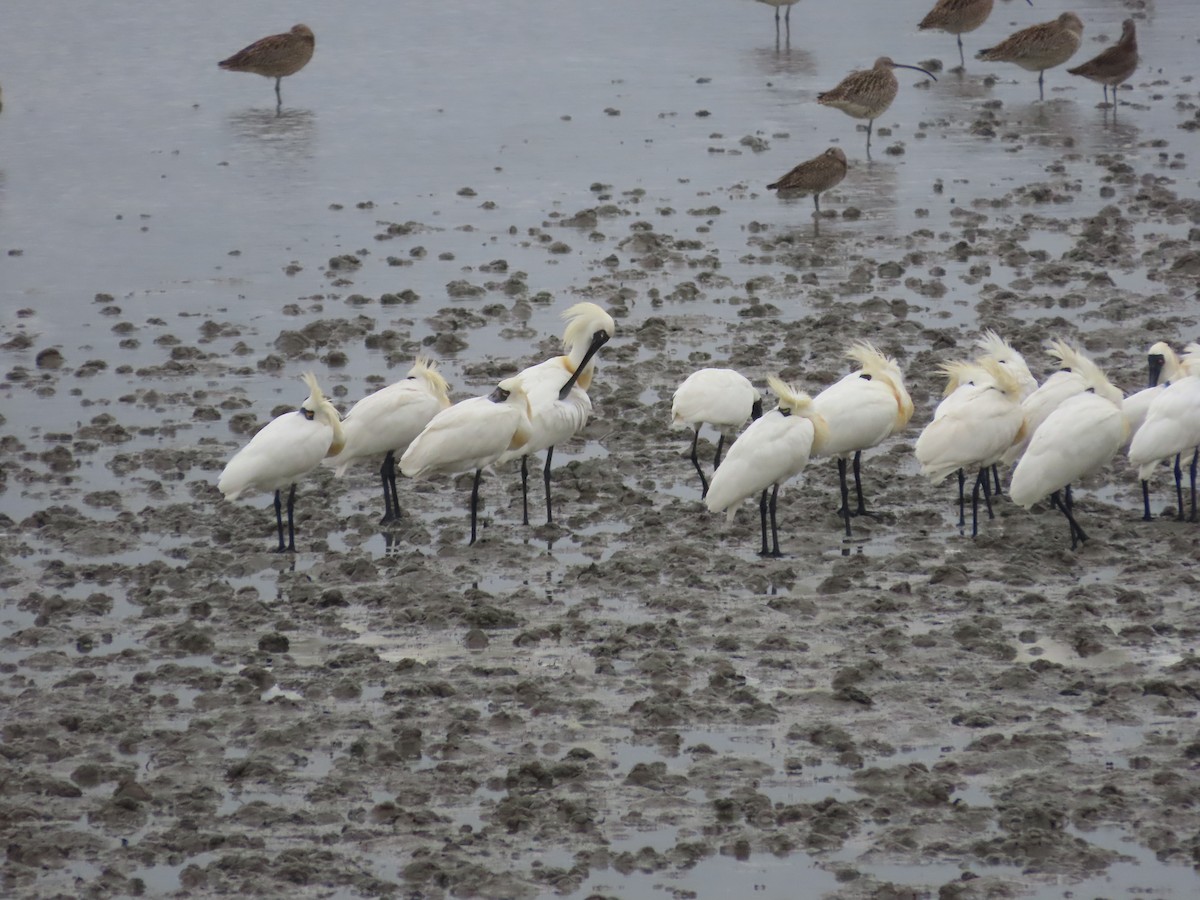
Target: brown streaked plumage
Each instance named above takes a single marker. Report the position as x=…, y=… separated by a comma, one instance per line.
x=957, y=17
x=1112, y=67
x=814, y=176
x=867, y=93
x=1039, y=47
x=275, y=56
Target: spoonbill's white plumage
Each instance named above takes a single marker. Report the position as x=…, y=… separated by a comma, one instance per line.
x=992, y=346
x=1164, y=367
x=722, y=398
x=775, y=447
x=972, y=427
x=286, y=448
x=861, y=411
x=1171, y=428
x=471, y=434
x=387, y=421
x=1076, y=439
x=556, y=416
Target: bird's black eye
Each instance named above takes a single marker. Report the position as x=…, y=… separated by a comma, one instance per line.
x=308, y=414
x=411, y=378
x=1090, y=391
x=784, y=411
x=499, y=395
x=865, y=377
x=1067, y=369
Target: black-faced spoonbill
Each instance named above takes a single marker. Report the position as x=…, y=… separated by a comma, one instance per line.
x=387, y=421
x=722, y=398
x=978, y=420
x=286, y=448
x=995, y=347
x=557, y=393
x=471, y=434
x=1164, y=367
x=773, y=449
x=1171, y=428
x=862, y=410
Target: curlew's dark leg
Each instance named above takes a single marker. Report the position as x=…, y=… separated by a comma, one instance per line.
x=278, y=95
x=720, y=444
x=1178, y=488
x=774, y=526
x=817, y=203
x=475, y=502
x=1192, y=471
x=291, y=545
x=845, y=510
x=961, y=61
x=1146, y=517
x=962, y=502
x=524, y=490
x=696, y=463
x=546, y=481
x=870, y=126
x=279, y=522
x=862, y=508
x=1042, y=96
x=997, y=490
x=391, y=500
x=762, y=517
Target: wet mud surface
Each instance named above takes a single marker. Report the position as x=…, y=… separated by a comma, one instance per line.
x=629, y=702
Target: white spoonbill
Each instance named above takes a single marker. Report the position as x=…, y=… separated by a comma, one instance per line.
x=387, y=421
x=774, y=448
x=722, y=398
x=557, y=393
x=995, y=347
x=1082, y=434
x=471, y=434
x=1171, y=428
x=1164, y=367
x=861, y=411
x=978, y=420
x=286, y=448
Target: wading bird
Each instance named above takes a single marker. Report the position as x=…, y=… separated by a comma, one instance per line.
x=1171, y=428
x=867, y=93
x=471, y=434
x=787, y=17
x=773, y=449
x=1039, y=47
x=1114, y=66
x=286, y=448
x=862, y=410
x=387, y=421
x=275, y=56
x=1078, y=438
x=977, y=421
x=1164, y=367
x=957, y=17
x=558, y=412
x=722, y=398
x=995, y=347
x=813, y=176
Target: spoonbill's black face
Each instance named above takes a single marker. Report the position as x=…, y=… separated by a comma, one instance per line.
x=499, y=395
x=308, y=413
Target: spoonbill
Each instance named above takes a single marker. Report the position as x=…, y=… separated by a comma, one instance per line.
x=977, y=421
x=773, y=449
x=1113, y=66
x=557, y=393
x=1078, y=438
x=471, y=434
x=286, y=448
x=1164, y=367
x=995, y=347
x=275, y=56
x=1171, y=428
x=722, y=398
x=387, y=421
x=861, y=411
x=867, y=93
x=1039, y=47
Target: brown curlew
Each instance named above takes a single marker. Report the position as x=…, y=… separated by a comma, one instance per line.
x=814, y=176
x=867, y=93
x=1112, y=67
x=957, y=17
x=1039, y=47
x=275, y=56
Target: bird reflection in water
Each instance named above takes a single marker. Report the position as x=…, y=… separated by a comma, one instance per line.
x=288, y=133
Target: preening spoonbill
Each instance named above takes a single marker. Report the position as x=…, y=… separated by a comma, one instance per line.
x=867, y=93
x=387, y=421
x=286, y=448
x=556, y=414
x=275, y=56
x=774, y=448
x=1079, y=437
x=978, y=420
x=1165, y=367
x=1171, y=428
x=471, y=434
x=997, y=348
x=862, y=410
x=722, y=398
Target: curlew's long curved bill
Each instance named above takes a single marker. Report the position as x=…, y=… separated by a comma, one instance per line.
x=599, y=339
x=914, y=68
